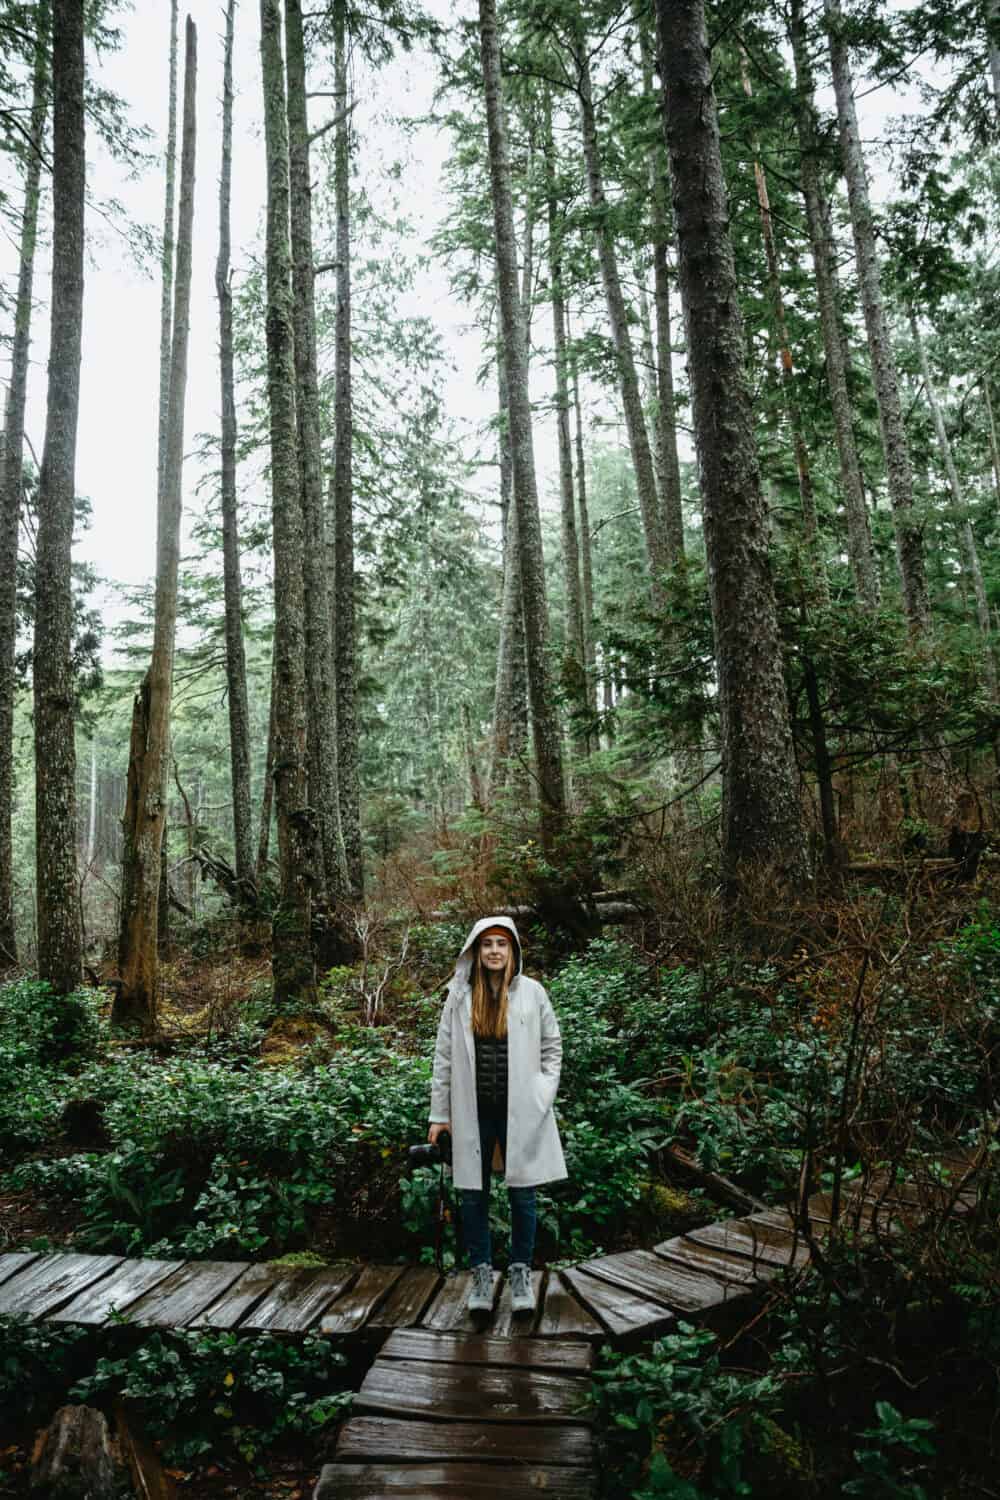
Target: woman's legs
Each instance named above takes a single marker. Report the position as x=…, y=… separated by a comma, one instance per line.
x=524, y=1221
x=476, y=1201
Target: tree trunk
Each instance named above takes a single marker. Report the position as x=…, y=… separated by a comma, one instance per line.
x=331, y=867
x=859, y=540
x=574, y=660
x=545, y=723
x=635, y=421
x=510, y=706
x=345, y=628
x=292, y=958
x=92, y=805
x=761, y=818
x=167, y=255
x=59, y=956
x=11, y=477
x=899, y=474
x=994, y=444
x=266, y=796
x=992, y=9
x=236, y=666
x=583, y=533
x=146, y=803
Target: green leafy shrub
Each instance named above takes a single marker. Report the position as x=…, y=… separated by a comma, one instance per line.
x=37, y=1362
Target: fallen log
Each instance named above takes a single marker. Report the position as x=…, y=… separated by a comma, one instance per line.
x=713, y=1183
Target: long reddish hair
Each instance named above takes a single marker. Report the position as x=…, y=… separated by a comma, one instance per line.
x=489, y=1011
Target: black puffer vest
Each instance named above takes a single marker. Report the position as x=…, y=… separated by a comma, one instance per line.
x=491, y=1072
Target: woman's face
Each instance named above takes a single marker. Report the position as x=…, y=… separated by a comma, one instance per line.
x=494, y=950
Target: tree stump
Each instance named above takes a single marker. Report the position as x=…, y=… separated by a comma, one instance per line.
x=76, y=1459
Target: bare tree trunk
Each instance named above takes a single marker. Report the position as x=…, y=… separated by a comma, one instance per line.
x=476, y=793
x=266, y=796
x=11, y=478
x=292, y=956
x=761, y=818
x=236, y=666
x=635, y=421
x=545, y=724
x=146, y=803
x=583, y=533
x=510, y=706
x=92, y=807
x=324, y=794
x=345, y=628
x=859, y=540
x=992, y=10
x=167, y=255
x=994, y=445
x=59, y=940
x=899, y=474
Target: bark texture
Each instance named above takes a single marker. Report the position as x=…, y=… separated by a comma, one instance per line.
x=331, y=867
x=59, y=956
x=146, y=795
x=992, y=8
x=761, y=818
x=545, y=723
x=583, y=534
x=345, y=582
x=859, y=539
x=11, y=467
x=510, y=705
x=899, y=472
x=236, y=667
x=292, y=959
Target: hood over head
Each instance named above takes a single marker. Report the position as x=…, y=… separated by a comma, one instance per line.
x=463, y=967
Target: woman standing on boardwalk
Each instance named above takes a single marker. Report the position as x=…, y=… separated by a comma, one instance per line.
x=496, y=1072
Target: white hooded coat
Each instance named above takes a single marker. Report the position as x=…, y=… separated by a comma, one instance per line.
x=534, y=1059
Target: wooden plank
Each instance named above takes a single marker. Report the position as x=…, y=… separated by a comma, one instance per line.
x=52, y=1281
x=711, y=1262
x=295, y=1304
x=114, y=1295
x=622, y=1313
x=562, y=1316
x=408, y=1299
x=681, y=1290
x=755, y=1241
x=450, y=1307
x=472, y=1349
x=366, y=1439
x=15, y=1261
x=453, y=1482
x=182, y=1296
x=490, y=1393
x=506, y=1322
x=353, y=1308
x=237, y=1300
x=150, y=1480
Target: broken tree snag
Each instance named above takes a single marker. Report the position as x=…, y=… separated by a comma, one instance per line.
x=76, y=1459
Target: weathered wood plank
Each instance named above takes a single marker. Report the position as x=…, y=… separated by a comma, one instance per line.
x=353, y=1308
x=15, y=1261
x=640, y=1271
x=505, y=1321
x=374, y=1439
x=237, y=1300
x=488, y=1393
x=295, y=1304
x=453, y=1481
x=562, y=1316
x=408, y=1299
x=473, y=1349
x=623, y=1313
x=707, y=1261
x=182, y=1296
x=755, y=1241
x=449, y=1310
x=52, y=1281
x=115, y=1294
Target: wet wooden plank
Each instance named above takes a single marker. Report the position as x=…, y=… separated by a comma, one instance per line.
x=295, y=1304
x=353, y=1308
x=623, y=1313
x=506, y=1323
x=52, y=1281
x=708, y=1261
x=115, y=1294
x=237, y=1300
x=472, y=1349
x=408, y=1299
x=481, y=1393
x=755, y=1241
x=387, y=1440
x=182, y=1296
x=562, y=1316
x=14, y=1262
x=450, y=1307
x=453, y=1481
x=642, y=1272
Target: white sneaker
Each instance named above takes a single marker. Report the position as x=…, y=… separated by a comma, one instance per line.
x=481, y=1295
x=522, y=1296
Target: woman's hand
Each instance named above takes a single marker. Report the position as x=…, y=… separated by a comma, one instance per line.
x=438, y=1128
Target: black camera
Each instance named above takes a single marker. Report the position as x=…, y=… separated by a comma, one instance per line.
x=429, y=1155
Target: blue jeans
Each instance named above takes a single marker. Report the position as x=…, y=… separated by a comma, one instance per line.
x=476, y=1202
